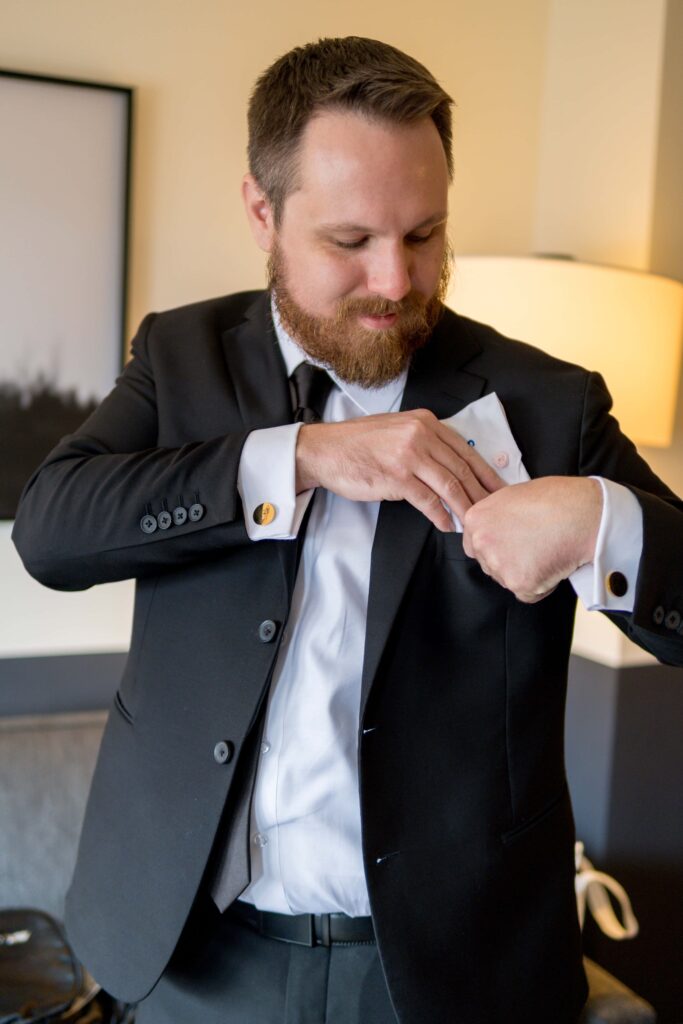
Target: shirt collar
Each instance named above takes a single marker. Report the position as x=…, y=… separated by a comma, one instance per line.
x=369, y=400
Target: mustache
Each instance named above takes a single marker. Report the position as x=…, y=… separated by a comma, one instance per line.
x=349, y=307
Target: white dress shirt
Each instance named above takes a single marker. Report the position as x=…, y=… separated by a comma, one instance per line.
x=305, y=817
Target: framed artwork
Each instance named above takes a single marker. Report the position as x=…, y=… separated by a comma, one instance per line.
x=64, y=210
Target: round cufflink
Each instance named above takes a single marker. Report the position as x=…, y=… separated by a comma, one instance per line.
x=264, y=514
x=617, y=584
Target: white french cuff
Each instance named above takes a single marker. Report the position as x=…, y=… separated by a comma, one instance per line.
x=266, y=481
x=608, y=582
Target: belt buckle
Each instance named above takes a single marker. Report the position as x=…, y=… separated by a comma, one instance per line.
x=320, y=930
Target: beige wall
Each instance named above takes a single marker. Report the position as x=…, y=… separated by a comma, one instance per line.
x=193, y=65
x=508, y=66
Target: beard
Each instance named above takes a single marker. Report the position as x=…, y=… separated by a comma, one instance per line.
x=357, y=354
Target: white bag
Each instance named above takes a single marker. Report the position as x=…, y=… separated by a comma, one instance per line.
x=592, y=887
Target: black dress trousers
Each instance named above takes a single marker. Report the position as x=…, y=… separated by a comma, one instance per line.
x=224, y=972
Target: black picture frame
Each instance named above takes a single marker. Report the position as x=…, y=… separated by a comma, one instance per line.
x=65, y=198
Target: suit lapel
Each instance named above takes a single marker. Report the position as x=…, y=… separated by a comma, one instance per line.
x=259, y=378
x=437, y=381
x=257, y=369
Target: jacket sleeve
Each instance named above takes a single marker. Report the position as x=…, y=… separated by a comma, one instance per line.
x=656, y=622
x=79, y=517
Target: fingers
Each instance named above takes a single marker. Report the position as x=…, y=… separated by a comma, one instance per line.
x=487, y=477
x=393, y=456
x=429, y=504
x=452, y=469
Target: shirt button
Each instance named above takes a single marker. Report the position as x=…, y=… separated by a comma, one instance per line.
x=223, y=751
x=258, y=839
x=265, y=747
x=267, y=631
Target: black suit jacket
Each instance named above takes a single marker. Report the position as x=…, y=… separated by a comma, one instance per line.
x=467, y=824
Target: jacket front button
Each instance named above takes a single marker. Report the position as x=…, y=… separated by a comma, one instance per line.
x=148, y=524
x=196, y=512
x=267, y=631
x=223, y=751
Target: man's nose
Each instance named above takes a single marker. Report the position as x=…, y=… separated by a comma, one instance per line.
x=389, y=273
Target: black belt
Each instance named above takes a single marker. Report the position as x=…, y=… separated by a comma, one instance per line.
x=306, y=929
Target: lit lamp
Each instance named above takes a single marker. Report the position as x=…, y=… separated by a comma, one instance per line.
x=626, y=324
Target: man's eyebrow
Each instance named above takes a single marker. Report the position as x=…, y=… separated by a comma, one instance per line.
x=432, y=221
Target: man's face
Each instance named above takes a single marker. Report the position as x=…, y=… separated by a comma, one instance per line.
x=359, y=262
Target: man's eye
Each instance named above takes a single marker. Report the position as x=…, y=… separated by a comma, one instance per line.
x=419, y=239
x=350, y=245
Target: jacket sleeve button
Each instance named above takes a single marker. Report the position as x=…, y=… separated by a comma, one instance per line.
x=658, y=615
x=223, y=751
x=267, y=631
x=179, y=515
x=673, y=620
x=196, y=512
x=164, y=520
x=148, y=524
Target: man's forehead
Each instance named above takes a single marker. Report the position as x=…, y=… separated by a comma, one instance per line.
x=349, y=167
x=350, y=138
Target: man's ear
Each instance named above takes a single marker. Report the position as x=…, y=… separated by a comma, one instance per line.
x=259, y=213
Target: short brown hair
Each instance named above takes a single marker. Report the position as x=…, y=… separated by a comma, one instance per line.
x=352, y=73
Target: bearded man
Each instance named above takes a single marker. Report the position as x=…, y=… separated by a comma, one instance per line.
x=331, y=788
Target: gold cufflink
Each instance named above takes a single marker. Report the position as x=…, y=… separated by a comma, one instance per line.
x=264, y=514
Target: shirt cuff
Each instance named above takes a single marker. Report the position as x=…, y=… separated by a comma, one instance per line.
x=608, y=583
x=266, y=481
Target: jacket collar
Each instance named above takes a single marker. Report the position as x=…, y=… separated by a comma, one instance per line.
x=257, y=369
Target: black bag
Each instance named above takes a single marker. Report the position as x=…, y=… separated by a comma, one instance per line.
x=42, y=981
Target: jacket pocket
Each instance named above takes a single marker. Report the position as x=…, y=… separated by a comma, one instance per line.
x=122, y=709
x=451, y=547
x=520, y=830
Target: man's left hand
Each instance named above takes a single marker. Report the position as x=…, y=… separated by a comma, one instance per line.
x=530, y=536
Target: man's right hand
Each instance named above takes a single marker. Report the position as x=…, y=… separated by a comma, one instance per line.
x=398, y=456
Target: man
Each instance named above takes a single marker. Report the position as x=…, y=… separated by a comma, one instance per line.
x=332, y=784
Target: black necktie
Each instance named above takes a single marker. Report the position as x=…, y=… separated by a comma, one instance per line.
x=311, y=385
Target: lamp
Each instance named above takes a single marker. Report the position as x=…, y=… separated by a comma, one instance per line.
x=626, y=324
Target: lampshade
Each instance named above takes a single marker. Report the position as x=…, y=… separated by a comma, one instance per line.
x=626, y=324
